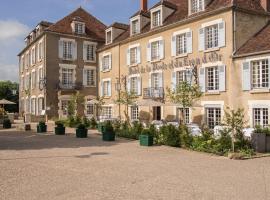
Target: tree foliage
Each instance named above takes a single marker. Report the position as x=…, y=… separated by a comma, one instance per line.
x=76, y=100
x=6, y=92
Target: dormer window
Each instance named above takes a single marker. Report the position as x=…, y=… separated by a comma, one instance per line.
x=79, y=28
x=135, y=27
x=109, y=36
x=196, y=6
x=156, y=18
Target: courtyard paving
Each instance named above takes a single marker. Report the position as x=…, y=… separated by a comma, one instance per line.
x=35, y=166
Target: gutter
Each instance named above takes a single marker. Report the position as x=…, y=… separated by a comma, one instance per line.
x=250, y=54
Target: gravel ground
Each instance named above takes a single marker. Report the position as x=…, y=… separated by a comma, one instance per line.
x=50, y=167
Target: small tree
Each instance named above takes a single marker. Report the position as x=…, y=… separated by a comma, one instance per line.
x=235, y=122
x=126, y=98
x=99, y=103
x=76, y=99
x=185, y=94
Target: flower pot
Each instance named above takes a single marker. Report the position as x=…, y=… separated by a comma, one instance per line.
x=81, y=133
x=41, y=128
x=60, y=130
x=6, y=125
x=146, y=140
x=108, y=136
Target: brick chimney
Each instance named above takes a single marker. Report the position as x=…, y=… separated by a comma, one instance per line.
x=144, y=5
x=266, y=5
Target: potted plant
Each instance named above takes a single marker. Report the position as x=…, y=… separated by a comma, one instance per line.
x=6, y=123
x=41, y=127
x=146, y=138
x=93, y=123
x=99, y=126
x=60, y=128
x=81, y=131
x=108, y=133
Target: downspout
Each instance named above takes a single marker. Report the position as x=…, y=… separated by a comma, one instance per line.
x=119, y=79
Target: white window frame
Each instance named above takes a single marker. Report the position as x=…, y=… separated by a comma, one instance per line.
x=109, y=55
x=134, y=114
x=192, y=11
x=86, y=44
x=40, y=50
x=153, y=11
x=215, y=79
x=109, y=89
x=259, y=82
x=69, y=67
x=109, y=112
x=85, y=76
x=137, y=18
x=79, y=27
x=109, y=40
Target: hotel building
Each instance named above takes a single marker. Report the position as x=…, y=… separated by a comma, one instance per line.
x=221, y=45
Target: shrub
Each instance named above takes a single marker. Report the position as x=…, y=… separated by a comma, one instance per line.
x=6, y=123
x=136, y=130
x=81, y=126
x=93, y=123
x=146, y=132
x=109, y=127
x=117, y=126
x=171, y=135
x=259, y=129
x=59, y=123
x=86, y=122
x=42, y=123
x=185, y=136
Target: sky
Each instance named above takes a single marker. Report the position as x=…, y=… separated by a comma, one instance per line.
x=19, y=17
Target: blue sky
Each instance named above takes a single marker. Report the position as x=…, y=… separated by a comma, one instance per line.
x=18, y=17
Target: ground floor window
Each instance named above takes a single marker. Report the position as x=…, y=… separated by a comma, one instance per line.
x=260, y=117
x=64, y=107
x=213, y=117
x=184, y=115
x=33, y=106
x=89, y=109
x=134, y=113
x=40, y=105
x=107, y=112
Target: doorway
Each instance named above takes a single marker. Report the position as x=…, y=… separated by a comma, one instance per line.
x=157, y=113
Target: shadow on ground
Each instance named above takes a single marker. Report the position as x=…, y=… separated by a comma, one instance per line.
x=17, y=140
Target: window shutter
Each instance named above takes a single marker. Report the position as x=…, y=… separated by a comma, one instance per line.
x=84, y=52
x=246, y=76
x=128, y=56
x=222, y=78
x=150, y=81
x=161, y=49
x=173, y=80
x=149, y=52
x=128, y=85
x=173, y=45
x=110, y=88
x=138, y=55
x=189, y=42
x=74, y=50
x=160, y=80
x=202, y=79
x=60, y=49
x=110, y=61
x=221, y=34
x=85, y=77
x=201, y=39
x=189, y=76
x=139, y=82
x=101, y=89
x=100, y=63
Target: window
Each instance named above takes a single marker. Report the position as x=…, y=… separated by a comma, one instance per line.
x=108, y=37
x=40, y=51
x=67, y=49
x=90, y=77
x=181, y=76
x=22, y=63
x=196, y=6
x=155, y=80
x=156, y=18
x=79, y=28
x=89, y=109
x=135, y=27
x=155, y=50
x=181, y=44
x=184, y=115
x=133, y=56
x=211, y=36
x=33, y=56
x=213, y=117
x=107, y=112
x=134, y=113
x=134, y=85
x=106, y=63
x=33, y=80
x=260, y=117
x=67, y=77
x=64, y=106
x=212, y=79
x=41, y=105
x=260, y=74
x=106, y=88
x=90, y=52
x=33, y=106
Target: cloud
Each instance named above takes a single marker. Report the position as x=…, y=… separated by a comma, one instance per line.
x=12, y=36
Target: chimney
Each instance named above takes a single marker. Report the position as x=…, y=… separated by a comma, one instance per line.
x=144, y=5
x=266, y=5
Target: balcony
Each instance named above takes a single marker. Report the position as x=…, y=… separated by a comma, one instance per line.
x=69, y=86
x=153, y=93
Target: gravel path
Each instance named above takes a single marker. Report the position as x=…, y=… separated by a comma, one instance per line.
x=62, y=167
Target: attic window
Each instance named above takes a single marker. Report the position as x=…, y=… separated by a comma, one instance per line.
x=156, y=18
x=109, y=36
x=135, y=28
x=79, y=28
x=196, y=6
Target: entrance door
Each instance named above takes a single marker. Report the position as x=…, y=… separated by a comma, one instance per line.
x=157, y=113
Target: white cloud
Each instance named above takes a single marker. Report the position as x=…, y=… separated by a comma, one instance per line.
x=12, y=36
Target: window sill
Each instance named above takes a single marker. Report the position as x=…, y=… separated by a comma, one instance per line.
x=67, y=59
x=91, y=61
x=104, y=71
x=257, y=91
x=155, y=61
x=212, y=49
x=212, y=93
x=89, y=86
x=133, y=65
x=181, y=55
x=106, y=97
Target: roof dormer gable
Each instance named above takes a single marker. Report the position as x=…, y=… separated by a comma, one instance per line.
x=78, y=25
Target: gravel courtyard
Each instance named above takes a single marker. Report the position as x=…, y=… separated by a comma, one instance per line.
x=62, y=167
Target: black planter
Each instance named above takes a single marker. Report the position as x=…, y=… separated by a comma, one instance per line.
x=146, y=140
x=41, y=128
x=60, y=130
x=6, y=124
x=108, y=136
x=81, y=133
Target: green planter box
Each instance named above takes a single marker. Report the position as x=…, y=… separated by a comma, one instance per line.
x=146, y=140
x=60, y=130
x=108, y=136
x=6, y=125
x=81, y=133
x=41, y=129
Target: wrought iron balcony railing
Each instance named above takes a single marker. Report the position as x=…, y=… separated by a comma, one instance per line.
x=153, y=93
x=69, y=86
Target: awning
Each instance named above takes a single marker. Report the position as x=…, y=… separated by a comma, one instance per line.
x=6, y=102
